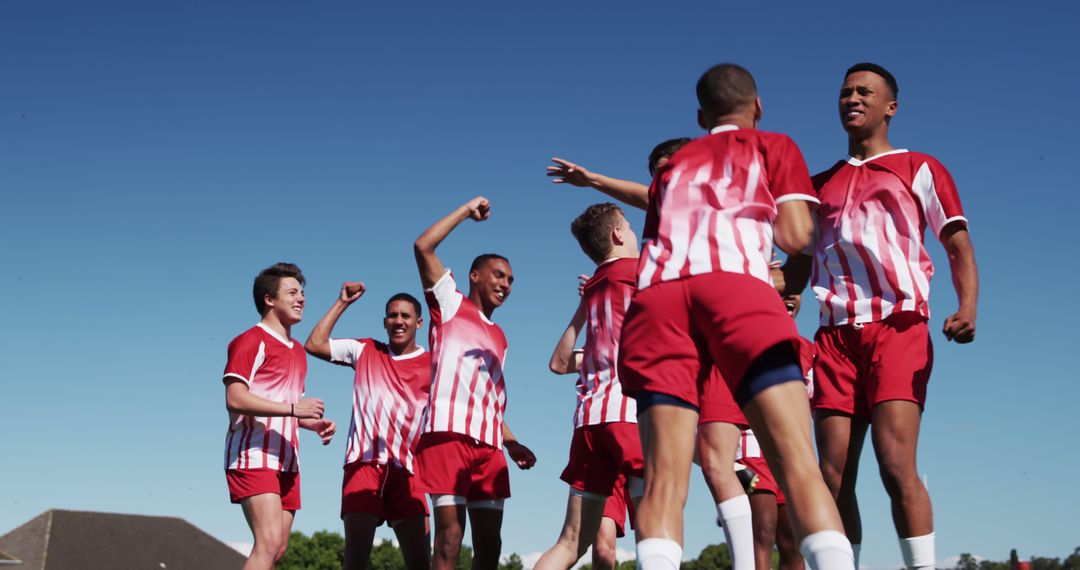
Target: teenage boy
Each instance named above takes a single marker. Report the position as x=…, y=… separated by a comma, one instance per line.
x=264, y=388
x=461, y=450
x=390, y=390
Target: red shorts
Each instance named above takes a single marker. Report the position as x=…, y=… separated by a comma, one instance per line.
x=244, y=483
x=676, y=331
x=766, y=482
x=717, y=404
x=455, y=464
x=861, y=366
x=618, y=506
x=386, y=491
x=600, y=454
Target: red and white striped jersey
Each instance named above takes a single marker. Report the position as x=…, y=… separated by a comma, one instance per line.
x=712, y=206
x=389, y=396
x=273, y=368
x=468, y=395
x=870, y=261
x=606, y=297
x=748, y=443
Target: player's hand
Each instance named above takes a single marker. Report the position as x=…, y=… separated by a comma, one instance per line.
x=351, y=291
x=520, y=454
x=566, y=172
x=325, y=429
x=479, y=208
x=309, y=408
x=581, y=281
x=960, y=326
x=777, y=277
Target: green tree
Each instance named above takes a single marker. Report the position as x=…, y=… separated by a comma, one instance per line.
x=386, y=556
x=512, y=562
x=324, y=550
x=1039, y=563
x=967, y=562
x=1073, y=561
x=712, y=557
x=626, y=565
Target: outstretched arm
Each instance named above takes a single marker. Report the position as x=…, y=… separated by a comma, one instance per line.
x=565, y=360
x=431, y=267
x=318, y=342
x=965, y=276
x=520, y=454
x=626, y=191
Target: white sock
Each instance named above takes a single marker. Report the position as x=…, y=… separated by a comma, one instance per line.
x=658, y=554
x=828, y=550
x=738, y=523
x=918, y=551
x=856, y=549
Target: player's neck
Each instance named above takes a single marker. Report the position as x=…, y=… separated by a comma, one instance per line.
x=404, y=349
x=477, y=300
x=863, y=147
x=271, y=322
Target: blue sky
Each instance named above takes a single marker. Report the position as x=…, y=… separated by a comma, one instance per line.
x=155, y=156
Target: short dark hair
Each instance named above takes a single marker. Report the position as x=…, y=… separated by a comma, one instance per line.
x=408, y=298
x=725, y=88
x=266, y=282
x=665, y=149
x=484, y=258
x=593, y=230
x=884, y=73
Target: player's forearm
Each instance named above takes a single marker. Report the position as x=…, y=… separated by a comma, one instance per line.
x=508, y=436
x=965, y=273
x=309, y=424
x=241, y=401
x=563, y=359
x=431, y=267
x=318, y=342
x=796, y=272
x=628, y=192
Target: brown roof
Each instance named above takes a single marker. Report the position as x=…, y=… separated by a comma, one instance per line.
x=63, y=540
x=7, y=559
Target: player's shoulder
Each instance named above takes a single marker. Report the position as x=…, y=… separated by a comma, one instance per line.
x=823, y=177
x=917, y=159
x=255, y=334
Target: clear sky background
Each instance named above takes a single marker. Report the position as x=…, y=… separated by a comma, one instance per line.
x=155, y=156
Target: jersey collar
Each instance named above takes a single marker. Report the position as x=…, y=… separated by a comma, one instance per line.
x=723, y=128
x=273, y=333
x=856, y=162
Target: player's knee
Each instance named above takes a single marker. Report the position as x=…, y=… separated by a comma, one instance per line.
x=899, y=476
x=448, y=542
x=603, y=556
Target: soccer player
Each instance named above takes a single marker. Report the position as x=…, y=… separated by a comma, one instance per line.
x=705, y=297
x=872, y=279
x=720, y=420
x=390, y=391
x=606, y=446
x=767, y=502
x=264, y=387
x=460, y=451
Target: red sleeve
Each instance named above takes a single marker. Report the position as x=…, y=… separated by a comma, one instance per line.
x=247, y=353
x=789, y=178
x=936, y=190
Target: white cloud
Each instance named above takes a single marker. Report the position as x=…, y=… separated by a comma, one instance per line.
x=241, y=547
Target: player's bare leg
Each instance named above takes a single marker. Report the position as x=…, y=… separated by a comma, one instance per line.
x=790, y=557
x=895, y=436
x=764, y=509
x=449, y=530
x=667, y=440
x=780, y=417
x=270, y=527
x=359, y=535
x=717, y=444
x=579, y=529
x=840, y=440
x=603, y=550
x=486, y=537
x=414, y=540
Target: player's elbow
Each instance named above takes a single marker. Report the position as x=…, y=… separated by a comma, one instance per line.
x=794, y=235
x=557, y=366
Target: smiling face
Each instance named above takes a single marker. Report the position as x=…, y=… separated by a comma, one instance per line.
x=287, y=303
x=491, y=283
x=792, y=304
x=866, y=103
x=401, y=323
